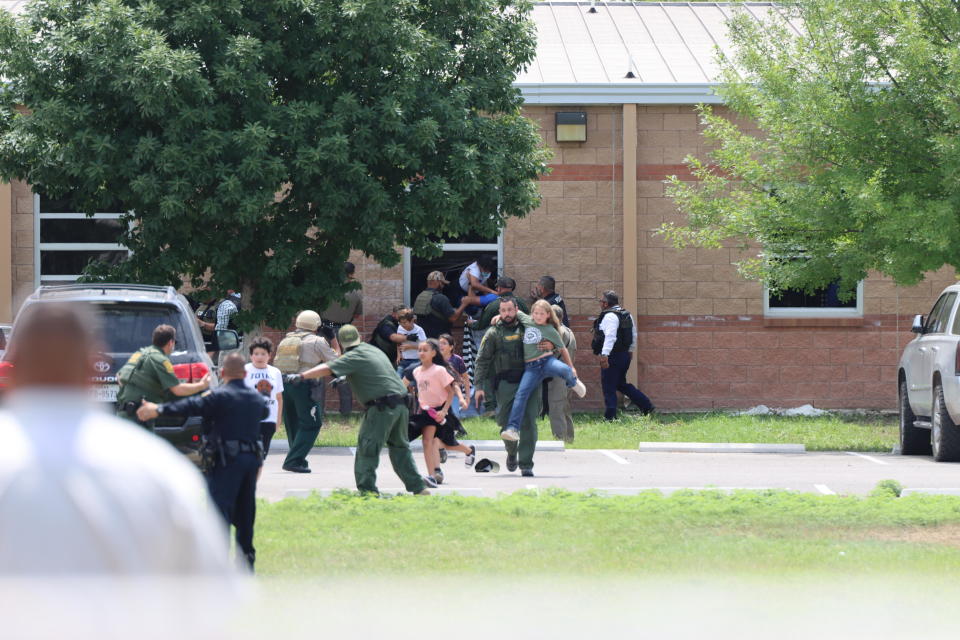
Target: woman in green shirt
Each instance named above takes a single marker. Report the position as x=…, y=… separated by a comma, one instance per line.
x=541, y=325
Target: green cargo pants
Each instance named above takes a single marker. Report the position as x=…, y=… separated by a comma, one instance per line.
x=385, y=426
x=301, y=422
x=524, y=449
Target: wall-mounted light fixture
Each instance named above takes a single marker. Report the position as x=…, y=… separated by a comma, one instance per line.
x=571, y=126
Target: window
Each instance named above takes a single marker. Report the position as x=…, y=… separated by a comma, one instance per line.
x=67, y=241
x=822, y=303
x=457, y=255
x=936, y=322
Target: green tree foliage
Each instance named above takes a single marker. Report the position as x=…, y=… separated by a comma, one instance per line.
x=858, y=164
x=376, y=122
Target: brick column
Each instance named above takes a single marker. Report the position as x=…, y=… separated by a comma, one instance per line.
x=6, y=263
x=630, y=245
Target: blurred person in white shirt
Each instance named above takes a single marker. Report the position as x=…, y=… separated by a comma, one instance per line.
x=82, y=492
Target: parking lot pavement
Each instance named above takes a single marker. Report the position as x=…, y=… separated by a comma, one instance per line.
x=628, y=472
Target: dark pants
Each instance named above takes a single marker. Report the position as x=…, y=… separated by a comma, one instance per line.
x=614, y=379
x=234, y=490
x=267, y=429
x=346, y=399
x=302, y=417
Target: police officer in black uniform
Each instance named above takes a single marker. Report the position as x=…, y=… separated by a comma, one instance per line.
x=233, y=452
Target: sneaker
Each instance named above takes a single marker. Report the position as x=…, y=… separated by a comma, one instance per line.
x=470, y=457
x=527, y=473
x=579, y=389
x=438, y=475
x=430, y=482
x=512, y=462
x=443, y=455
x=510, y=434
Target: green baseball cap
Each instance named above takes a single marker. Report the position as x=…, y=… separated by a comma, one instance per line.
x=348, y=336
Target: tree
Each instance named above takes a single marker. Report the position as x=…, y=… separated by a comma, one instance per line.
x=857, y=165
x=257, y=142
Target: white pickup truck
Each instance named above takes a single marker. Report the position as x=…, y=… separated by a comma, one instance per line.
x=929, y=382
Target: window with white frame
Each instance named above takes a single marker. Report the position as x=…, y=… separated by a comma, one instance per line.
x=458, y=253
x=821, y=303
x=66, y=241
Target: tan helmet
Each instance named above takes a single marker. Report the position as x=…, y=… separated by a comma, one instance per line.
x=308, y=320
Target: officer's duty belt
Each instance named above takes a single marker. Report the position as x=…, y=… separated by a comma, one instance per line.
x=391, y=401
x=240, y=446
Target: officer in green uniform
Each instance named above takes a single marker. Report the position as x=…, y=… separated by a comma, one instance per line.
x=500, y=367
x=148, y=375
x=376, y=385
x=505, y=289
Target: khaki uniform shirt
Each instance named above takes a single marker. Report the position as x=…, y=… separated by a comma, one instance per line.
x=314, y=350
x=345, y=313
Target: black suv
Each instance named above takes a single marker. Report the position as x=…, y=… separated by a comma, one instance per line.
x=128, y=314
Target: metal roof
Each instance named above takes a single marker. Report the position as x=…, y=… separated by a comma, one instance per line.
x=643, y=52
x=586, y=49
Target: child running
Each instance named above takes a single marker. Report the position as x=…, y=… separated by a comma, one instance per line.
x=541, y=325
x=458, y=366
x=436, y=423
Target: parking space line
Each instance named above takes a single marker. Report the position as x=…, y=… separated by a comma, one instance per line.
x=533, y=487
x=613, y=456
x=825, y=490
x=866, y=457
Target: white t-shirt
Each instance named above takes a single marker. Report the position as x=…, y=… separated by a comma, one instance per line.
x=409, y=350
x=269, y=382
x=83, y=492
x=474, y=270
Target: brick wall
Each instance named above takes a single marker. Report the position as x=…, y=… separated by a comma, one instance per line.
x=23, y=242
x=704, y=342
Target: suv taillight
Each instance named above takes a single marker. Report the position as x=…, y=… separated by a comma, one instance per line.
x=5, y=369
x=190, y=371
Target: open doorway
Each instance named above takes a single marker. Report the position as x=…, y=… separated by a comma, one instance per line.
x=455, y=258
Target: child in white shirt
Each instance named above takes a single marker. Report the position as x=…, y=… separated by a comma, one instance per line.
x=407, y=351
x=268, y=380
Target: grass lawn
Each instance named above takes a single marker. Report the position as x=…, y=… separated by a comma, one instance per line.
x=761, y=533
x=826, y=433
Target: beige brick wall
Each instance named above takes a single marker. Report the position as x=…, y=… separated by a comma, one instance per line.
x=23, y=242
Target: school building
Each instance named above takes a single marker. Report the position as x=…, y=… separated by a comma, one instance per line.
x=613, y=88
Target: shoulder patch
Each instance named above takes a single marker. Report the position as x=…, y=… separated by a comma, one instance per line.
x=168, y=366
x=135, y=356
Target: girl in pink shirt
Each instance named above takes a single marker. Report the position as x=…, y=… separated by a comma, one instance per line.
x=436, y=389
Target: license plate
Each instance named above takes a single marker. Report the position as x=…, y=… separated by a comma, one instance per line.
x=105, y=392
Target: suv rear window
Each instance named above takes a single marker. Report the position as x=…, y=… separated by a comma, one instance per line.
x=128, y=327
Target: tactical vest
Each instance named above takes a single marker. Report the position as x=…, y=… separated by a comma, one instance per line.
x=624, y=332
x=287, y=358
x=133, y=376
x=389, y=347
x=422, y=306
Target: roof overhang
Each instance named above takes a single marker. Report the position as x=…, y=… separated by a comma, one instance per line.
x=620, y=93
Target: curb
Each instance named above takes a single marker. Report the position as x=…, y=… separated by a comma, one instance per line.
x=417, y=445
x=719, y=447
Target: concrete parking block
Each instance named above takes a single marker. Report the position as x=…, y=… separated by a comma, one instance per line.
x=719, y=447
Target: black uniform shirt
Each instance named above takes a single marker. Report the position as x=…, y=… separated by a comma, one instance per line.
x=233, y=411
